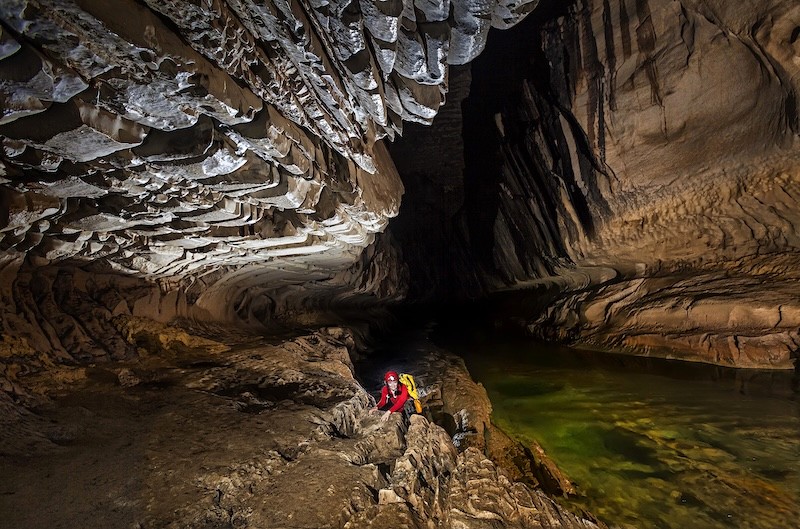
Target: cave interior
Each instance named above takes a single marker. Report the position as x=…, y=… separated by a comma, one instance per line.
x=222, y=220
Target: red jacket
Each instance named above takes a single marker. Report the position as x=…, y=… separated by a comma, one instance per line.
x=397, y=400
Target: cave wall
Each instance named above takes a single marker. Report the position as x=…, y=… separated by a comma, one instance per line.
x=227, y=158
x=645, y=164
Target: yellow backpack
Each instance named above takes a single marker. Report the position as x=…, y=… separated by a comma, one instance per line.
x=410, y=384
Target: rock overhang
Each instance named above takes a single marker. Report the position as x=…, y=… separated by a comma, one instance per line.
x=176, y=140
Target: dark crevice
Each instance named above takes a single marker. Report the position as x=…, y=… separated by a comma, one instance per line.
x=795, y=35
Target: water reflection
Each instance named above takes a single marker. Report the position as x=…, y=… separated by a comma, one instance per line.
x=649, y=442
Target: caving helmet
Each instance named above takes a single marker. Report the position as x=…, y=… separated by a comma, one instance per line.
x=391, y=375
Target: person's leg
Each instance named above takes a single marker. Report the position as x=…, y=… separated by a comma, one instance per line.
x=409, y=409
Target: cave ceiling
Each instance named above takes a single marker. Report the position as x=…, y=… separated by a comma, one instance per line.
x=216, y=146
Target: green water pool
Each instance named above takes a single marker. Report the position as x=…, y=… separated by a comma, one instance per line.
x=653, y=443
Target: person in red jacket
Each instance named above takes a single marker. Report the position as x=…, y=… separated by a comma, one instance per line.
x=393, y=393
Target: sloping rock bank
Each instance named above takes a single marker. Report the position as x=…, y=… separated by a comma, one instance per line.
x=653, y=165
x=194, y=433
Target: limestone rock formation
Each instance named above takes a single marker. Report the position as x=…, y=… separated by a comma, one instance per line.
x=230, y=152
x=228, y=158
x=635, y=165
x=216, y=161
x=689, y=180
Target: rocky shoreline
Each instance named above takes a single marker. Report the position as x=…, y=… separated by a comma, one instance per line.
x=264, y=434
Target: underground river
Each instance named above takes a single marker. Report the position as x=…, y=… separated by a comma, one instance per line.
x=651, y=443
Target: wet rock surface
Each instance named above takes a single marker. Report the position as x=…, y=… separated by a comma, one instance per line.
x=248, y=434
x=649, y=442
x=461, y=407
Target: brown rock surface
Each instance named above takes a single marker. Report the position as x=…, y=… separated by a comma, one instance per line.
x=228, y=157
x=224, y=161
x=462, y=408
x=690, y=118
x=245, y=435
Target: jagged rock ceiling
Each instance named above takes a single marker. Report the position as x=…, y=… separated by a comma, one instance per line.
x=219, y=148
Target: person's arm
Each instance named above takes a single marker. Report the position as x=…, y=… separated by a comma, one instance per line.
x=401, y=399
x=384, y=396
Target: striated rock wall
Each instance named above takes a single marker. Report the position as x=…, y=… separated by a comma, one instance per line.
x=645, y=164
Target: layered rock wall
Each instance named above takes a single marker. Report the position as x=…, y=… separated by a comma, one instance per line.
x=228, y=158
x=647, y=166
